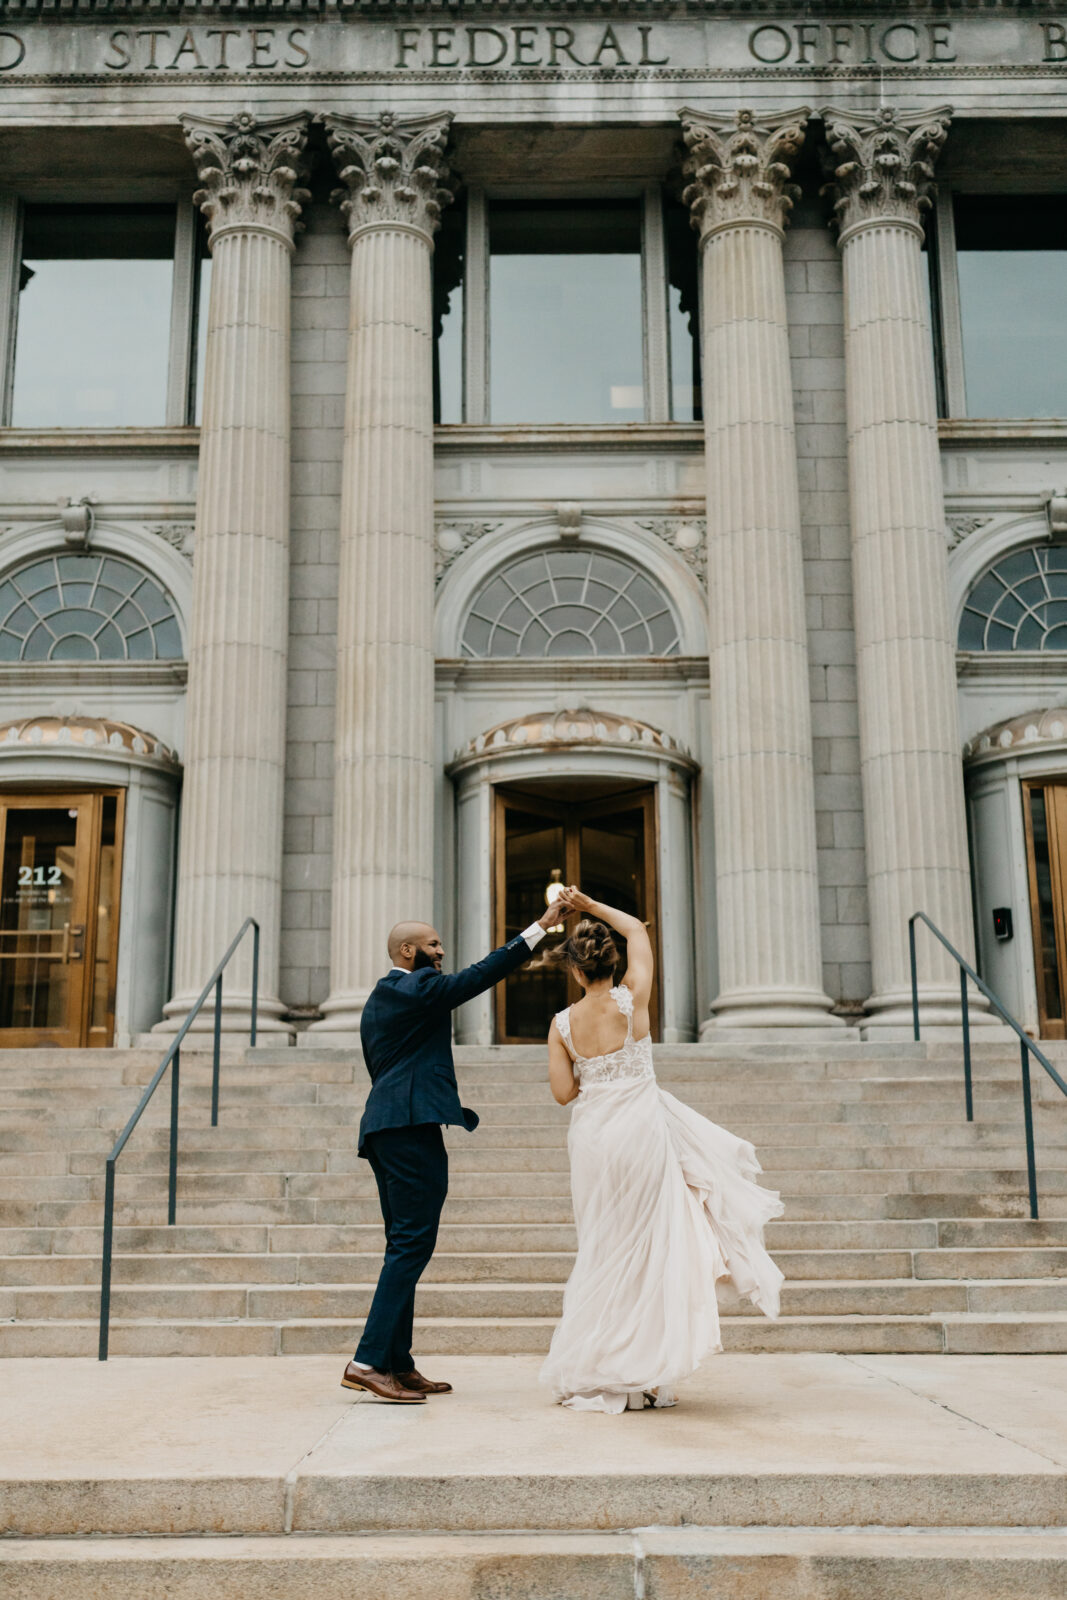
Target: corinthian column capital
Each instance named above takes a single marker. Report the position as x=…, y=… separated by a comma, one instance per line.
x=881, y=164
x=740, y=167
x=393, y=170
x=250, y=171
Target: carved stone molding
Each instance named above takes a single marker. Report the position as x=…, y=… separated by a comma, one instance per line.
x=393, y=170
x=452, y=538
x=960, y=527
x=881, y=164
x=687, y=537
x=178, y=534
x=740, y=167
x=251, y=171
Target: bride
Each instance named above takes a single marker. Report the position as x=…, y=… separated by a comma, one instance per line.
x=665, y=1201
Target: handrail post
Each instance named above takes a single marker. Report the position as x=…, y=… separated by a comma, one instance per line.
x=966, y=1015
x=255, y=985
x=1028, y=1117
x=172, y=1192
x=914, y=980
x=172, y=1059
x=218, y=1048
x=105, y=1263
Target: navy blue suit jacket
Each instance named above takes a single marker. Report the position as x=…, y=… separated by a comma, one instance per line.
x=406, y=1033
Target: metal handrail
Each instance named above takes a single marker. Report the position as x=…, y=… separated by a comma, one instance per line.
x=1027, y=1047
x=172, y=1059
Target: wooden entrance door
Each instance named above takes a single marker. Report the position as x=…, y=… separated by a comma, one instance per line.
x=60, y=857
x=1045, y=807
x=607, y=845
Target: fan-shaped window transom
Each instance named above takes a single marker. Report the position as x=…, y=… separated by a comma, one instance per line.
x=86, y=607
x=570, y=603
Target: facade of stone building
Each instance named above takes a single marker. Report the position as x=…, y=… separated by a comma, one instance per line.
x=447, y=449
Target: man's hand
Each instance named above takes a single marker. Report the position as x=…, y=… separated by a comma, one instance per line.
x=557, y=912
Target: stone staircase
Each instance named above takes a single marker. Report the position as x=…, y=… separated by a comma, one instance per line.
x=906, y=1229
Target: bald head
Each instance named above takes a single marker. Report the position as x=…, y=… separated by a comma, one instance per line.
x=413, y=944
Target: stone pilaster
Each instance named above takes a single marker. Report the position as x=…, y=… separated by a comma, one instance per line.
x=881, y=175
x=393, y=172
x=231, y=832
x=762, y=784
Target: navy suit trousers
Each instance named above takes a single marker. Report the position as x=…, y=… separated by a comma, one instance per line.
x=411, y=1168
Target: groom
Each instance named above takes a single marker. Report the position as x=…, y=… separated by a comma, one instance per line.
x=406, y=1033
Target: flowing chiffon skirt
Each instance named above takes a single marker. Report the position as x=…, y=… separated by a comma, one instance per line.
x=665, y=1204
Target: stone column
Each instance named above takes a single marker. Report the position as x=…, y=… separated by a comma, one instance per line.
x=881, y=165
x=393, y=170
x=762, y=784
x=231, y=832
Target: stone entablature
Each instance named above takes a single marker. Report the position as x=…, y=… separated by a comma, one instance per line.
x=619, y=44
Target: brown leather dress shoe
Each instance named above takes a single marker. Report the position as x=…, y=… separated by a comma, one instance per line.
x=415, y=1380
x=382, y=1384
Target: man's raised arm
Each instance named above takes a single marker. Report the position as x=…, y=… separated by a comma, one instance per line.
x=454, y=989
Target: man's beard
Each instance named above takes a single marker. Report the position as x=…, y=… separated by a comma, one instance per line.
x=423, y=958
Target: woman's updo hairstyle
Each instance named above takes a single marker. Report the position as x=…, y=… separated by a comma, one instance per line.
x=591, y=949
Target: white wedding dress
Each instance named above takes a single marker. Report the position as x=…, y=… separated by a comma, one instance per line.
x=665, y=1203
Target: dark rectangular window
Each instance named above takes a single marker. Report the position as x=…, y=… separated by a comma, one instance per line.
x=448, y=258
x=565, y=313
x=1012, y=255
x=93, y=331
x=683, y=310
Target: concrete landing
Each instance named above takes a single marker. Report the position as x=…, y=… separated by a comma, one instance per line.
x=256, y=1446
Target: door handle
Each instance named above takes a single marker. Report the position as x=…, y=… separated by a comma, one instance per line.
x=75, y=941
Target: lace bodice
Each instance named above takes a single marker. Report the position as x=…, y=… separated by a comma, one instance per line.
x=633, y=1058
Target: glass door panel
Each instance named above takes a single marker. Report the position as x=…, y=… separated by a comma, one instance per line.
x=1045, y=807
x=59, y=862
x=606, y=846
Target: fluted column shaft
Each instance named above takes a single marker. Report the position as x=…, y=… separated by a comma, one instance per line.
x=383, y=866
x=231, y=830
x=911, y=767
x=763, y=797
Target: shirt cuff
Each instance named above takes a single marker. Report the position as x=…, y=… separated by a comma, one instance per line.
x=533, y=934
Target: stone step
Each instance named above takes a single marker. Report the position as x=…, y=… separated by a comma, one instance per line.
x=786, y=1235
x=497, y=1266
x=486, y=1156
x=497, y=1301
x=872, y=1207
x=499, y=1183
x=45, y=1139
x=688, y=1563
x=957, y=1333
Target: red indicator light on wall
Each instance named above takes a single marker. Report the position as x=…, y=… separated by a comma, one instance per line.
x=1002, y=922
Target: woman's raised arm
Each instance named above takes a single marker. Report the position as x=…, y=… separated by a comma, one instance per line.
x=640, y=962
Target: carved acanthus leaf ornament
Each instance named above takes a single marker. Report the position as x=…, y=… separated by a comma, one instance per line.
x=881, y=163
x=740, y=167
x=251, y=172
x=393, y=169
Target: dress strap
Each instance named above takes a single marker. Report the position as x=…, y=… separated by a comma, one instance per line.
x=563, y=1023
x=624, y=999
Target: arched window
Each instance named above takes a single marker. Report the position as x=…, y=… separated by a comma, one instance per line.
x=1020, y=603
x=85, y=607
x=570, y=603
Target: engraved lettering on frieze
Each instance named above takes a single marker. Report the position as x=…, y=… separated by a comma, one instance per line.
x=958, y=528
x=178, y=534
x=528, y=45
x=207, y=49
x=852, y=44
x=686, y=536
x=1055, y=38
x=452, y=538
x=12, y=52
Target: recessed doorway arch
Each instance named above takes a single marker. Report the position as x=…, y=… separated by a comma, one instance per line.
x=593, y=777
